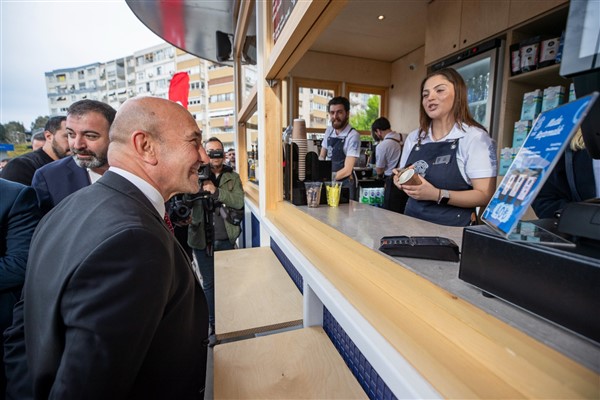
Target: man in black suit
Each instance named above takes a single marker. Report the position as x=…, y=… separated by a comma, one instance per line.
x=87, y=125
x=56, y=147
x=19, y=216
x=112, y=307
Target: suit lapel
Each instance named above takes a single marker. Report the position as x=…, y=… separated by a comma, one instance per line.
x=117, y=182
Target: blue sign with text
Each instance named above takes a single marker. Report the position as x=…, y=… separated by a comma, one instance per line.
x=545, y=143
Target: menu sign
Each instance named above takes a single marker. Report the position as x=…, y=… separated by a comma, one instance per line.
x=547, y=140
x=281, y=12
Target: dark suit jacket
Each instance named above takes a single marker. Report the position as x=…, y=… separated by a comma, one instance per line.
x=556, y=194
x=19, y=215
x=22, y=168
x=55, y=181
x=112, y=308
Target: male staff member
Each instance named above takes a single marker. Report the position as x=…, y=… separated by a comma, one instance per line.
x=87, y=125
x=223, y=189
x=387, y=156
x=341, y=144
x=117, y=313
x=22, y=168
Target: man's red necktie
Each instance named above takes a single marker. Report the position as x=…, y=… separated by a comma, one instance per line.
x=169, y=224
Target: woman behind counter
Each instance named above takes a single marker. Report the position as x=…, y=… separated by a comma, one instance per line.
x=453, y=154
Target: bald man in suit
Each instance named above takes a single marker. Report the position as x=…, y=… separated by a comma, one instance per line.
x=118, y=313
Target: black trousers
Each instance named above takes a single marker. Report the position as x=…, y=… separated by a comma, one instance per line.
x=394, y=199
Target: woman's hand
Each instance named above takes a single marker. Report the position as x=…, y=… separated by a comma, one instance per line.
x=424, y=191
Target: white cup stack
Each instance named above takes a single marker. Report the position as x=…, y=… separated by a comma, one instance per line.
x=299, y=137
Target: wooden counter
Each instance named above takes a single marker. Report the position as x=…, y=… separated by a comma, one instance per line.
x=462, y=350
x=299, y=364
x=253, y=293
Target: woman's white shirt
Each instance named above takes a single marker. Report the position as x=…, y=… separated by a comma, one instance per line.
x=476, y=155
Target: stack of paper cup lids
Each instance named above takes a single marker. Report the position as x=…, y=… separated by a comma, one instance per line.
x=299, y=137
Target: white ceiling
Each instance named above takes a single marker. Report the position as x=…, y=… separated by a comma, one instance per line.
x=357, y=32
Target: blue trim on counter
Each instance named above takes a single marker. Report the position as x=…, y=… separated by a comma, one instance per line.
x=255, y=231
x=365, y=374
x=289, y=267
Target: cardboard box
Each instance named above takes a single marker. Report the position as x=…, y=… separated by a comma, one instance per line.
x=548, y=51
x=553, y=97
x=529, y=54
x=507, y=155
x=520, y=132
x=532, y=105
x=572, y=92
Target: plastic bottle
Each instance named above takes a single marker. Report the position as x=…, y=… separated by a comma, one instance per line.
x=380, y=197
x=364, y=198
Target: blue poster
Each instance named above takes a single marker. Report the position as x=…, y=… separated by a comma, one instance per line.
x=545, y=143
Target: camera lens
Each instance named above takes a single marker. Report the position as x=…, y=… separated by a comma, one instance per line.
x=215, y=154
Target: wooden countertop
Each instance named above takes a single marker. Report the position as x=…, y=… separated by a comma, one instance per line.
x=299, y=364
x=253, y=293
x=462, y=350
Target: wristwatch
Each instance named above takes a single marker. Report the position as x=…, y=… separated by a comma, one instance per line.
x=444, y=196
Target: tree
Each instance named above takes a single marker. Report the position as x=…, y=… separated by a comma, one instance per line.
x=40, y=122
x=362, y=120
x=3, y=137
x=15, y=132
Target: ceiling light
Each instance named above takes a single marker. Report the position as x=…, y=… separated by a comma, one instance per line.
x=381, y=17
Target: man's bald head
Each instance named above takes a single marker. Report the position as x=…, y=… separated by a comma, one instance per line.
x=147, y=114
x=159, y=141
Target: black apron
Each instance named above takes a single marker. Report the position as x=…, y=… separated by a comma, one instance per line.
x=436, y=161
x=394, y=199
x=338, y=158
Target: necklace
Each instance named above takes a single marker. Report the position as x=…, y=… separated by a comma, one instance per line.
x=438, y=139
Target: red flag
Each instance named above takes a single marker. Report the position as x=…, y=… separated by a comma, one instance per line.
x=179, y=88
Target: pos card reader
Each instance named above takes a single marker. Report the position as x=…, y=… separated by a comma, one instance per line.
x=430, y=247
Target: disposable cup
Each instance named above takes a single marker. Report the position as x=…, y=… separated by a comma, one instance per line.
x=333, y=194
x=409, y=177
x=313, y=193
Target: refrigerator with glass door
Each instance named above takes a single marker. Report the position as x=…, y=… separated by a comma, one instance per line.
x=481, y=68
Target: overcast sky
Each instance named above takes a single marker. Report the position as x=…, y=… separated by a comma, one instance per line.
x=44, y=35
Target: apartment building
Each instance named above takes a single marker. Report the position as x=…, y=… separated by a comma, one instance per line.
x=148, y=72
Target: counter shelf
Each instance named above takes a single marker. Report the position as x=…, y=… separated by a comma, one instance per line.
x=366, y=225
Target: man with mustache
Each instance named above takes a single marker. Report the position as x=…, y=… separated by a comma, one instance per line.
x=22, y=168
x=341, y=144
x=88, y=123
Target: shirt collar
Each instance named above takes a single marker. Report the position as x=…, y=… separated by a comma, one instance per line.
x=344, y=132
x=149, y=191
x=455, y=133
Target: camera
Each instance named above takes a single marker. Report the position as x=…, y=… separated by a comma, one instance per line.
x=203, y=172
x=179, y=209
x=216, y=154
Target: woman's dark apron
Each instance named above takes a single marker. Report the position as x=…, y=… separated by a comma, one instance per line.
x=437, y=162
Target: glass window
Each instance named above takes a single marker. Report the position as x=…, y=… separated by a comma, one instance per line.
x=252, y=147
x=311, y=102
x=249, y=75
x=366, y=105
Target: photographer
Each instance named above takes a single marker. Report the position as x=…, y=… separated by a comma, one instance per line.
x=213, y=228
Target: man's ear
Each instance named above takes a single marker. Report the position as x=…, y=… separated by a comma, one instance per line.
x=145, y=146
